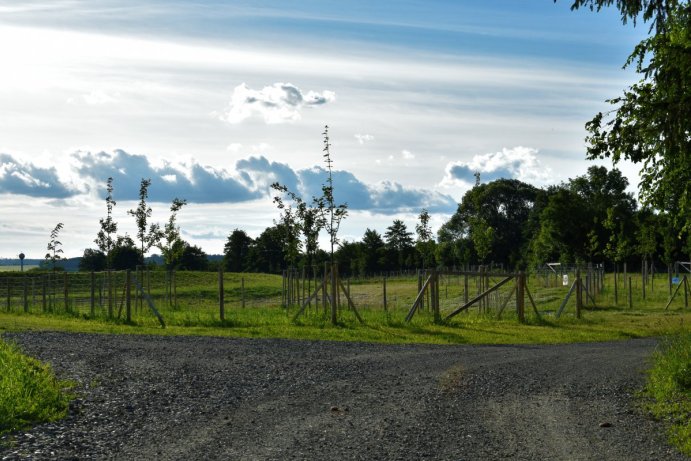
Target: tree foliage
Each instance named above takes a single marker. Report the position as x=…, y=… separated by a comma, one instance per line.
x=54, y=246
x=104, y=239
x=236, y=251
x=169, y=240
x=650, y=123
x=147, y=237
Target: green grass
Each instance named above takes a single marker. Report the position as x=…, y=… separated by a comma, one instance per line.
x=669, y=387
x=603, y=324
x=29, y=392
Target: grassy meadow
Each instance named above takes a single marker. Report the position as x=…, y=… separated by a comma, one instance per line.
x=253, y=307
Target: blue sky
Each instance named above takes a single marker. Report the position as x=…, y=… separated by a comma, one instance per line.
x=216, y=100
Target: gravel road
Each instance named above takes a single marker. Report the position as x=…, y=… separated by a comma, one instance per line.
x=145, y=397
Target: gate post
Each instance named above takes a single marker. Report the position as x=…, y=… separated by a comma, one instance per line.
x=520, y=296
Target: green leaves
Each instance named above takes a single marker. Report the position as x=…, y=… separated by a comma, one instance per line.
x=650, y=123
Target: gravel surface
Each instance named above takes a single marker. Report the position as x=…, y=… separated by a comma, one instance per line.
x=146, y=397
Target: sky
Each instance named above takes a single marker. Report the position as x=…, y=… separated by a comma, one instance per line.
x=215, y=100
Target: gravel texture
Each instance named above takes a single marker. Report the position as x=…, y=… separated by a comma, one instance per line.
x=147, y=397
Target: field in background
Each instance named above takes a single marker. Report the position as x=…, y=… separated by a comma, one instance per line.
x=17, y=268
x=257, y=305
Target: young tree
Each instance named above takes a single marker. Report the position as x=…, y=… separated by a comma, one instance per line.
x=307, y=218
x=332, y=214
x=54, y=251
x=290, y=222
x=169, y=241
x=104, y=239
x=141, y=214
x=425, y=245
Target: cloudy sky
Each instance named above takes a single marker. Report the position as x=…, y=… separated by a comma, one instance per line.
x=215, y=100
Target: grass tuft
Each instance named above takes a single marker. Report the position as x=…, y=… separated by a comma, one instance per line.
x=669, y=387
x=29, y=391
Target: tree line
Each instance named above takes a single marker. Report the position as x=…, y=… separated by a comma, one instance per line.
x=590, y=218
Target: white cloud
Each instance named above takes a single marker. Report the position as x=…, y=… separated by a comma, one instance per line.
x=278, y=103
x=516, y=163
x=407, y=155
x=363, y=138
x=234, y=147
x=97, y=98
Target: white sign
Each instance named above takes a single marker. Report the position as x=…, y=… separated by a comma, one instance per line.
x=565, y=280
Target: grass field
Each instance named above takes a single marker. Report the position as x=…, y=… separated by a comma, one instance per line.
x=17, y=268
x=193, y=308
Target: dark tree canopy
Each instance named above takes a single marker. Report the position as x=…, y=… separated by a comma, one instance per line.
x=236, y=251
x=92, y=260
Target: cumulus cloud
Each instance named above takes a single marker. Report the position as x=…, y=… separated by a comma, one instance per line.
x=386, y=197
x=27, y=179
x=249, y=179
x=193, y=181
x=260, y=173
x=517, y=163
x=278, y=103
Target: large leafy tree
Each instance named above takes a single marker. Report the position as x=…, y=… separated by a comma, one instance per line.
x=373, y=257
x=505, y=206
x=650, y=123
x=267, y=253
x=608, y=208
x=399, y=242
x=236, y=251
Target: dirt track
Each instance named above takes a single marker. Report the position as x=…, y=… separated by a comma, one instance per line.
x=145, y=397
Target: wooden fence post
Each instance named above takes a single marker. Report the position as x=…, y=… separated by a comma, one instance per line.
x=520, y=296
x=128, y=304
x=26, y=295
x=669, y=278
x=66, y=293
x=435, y=297
x=465, y=288
x=579, y=293
x=630, y=294
x=644, y=276
x=616, y=289
x=43, y=293
x=9, y=295
x=334, y=307
x=242, y=290
x=384, y=285
x=110, y=294
x=93, y=294
x=221, y=293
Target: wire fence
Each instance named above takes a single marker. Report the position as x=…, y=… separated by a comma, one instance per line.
x=190, y=297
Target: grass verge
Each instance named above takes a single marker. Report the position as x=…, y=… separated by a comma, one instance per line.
x=669, y=387
x=29, y=391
